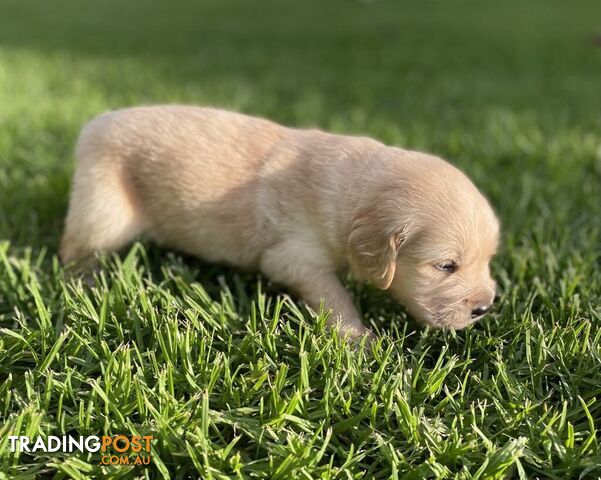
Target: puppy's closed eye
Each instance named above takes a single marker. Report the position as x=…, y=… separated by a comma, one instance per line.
x=447, y=266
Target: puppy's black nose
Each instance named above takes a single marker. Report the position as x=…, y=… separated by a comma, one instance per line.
x=479, y=311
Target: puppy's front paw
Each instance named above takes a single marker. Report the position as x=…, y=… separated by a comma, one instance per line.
x=356, y=334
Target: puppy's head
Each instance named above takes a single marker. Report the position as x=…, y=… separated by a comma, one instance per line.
x=424, y=232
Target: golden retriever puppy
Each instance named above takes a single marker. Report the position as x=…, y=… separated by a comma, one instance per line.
x=299, y=205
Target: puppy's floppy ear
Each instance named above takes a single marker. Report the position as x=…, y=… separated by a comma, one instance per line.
x=374, y=242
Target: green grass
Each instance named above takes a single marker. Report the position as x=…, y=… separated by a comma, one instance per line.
x=233, y=377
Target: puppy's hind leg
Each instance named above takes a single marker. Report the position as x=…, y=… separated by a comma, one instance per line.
x=102, y=215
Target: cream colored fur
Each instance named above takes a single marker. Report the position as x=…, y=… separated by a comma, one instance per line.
x=299, y=205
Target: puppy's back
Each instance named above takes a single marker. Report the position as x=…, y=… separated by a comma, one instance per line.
x=189, y=173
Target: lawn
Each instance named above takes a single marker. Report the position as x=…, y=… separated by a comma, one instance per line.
x=232, y=375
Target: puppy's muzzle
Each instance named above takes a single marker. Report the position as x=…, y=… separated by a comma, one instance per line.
x=480, y=311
